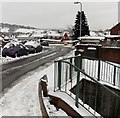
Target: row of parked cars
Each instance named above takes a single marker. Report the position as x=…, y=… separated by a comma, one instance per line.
x=16, y=49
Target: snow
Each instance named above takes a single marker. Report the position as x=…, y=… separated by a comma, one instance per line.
x=51, y=109
x=38, y=35
x=71, y=102
x=91, y=48
x=92, y=33
x=1, y=38
x=4, y=60
x=23, y=35
x=5, y=29
x=113, y=47
x=22, y=99
x=54, y=33
x=25, y=30
x=6, y=37
x=112, y=36
x=91, y=37
x=33, y=43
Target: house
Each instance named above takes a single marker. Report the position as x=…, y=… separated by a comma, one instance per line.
x=65, y=37
x=115, y=30
x=53, y=35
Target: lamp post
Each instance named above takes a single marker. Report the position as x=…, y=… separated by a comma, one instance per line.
x=80, y=15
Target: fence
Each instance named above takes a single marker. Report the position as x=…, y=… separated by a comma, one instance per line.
x=79, y=77
x=102, y=70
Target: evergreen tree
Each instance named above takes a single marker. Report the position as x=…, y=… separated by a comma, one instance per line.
x=84, y=25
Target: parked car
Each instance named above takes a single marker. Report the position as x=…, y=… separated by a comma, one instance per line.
x=14, y=49
x=44, y=43
x=38, y=47
x=31, y=48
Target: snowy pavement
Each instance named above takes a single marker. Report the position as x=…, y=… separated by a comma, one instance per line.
x=22, y=99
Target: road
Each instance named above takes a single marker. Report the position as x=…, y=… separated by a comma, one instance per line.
x=13, y=70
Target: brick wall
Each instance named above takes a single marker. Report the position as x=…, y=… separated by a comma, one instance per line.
x=110, y=54
x=103, y=53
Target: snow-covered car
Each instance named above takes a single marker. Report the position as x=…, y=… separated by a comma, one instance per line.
x=44, y=43
x=31, y=48
x=14, y=49
x=37, y=46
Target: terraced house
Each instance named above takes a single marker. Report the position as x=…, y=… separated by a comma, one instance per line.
x=116, y=29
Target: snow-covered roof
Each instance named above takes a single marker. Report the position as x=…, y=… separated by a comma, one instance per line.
x=91, y=48
x=23, y=35
x=90, y=41
x=25, y=30
x=54, y=34
x=68, y=33
x=38, y=35
x=37, y=31
x=112, y=36
x=5, y=29
x=92, y=37
x=92, y=33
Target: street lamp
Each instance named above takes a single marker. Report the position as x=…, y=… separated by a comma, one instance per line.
x=80, y=15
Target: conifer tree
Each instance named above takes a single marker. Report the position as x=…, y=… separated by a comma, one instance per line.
x=84, y=25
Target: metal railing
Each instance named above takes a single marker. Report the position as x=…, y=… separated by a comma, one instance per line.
x=102, y=70
x=79, y=77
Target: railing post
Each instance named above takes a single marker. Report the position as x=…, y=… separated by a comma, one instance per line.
x=71, y=70
x=78, y=60
x=55, y=66
x=77, y=89
x=81, y=57
x=98, y=70
x=114, y=75
x=59, y=75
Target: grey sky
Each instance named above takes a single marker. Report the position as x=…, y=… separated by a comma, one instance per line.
x=100, y=15
x=119, y=11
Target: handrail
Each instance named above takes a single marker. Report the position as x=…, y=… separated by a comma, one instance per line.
x=109, y=69
x=91, y=78
x=85, y=86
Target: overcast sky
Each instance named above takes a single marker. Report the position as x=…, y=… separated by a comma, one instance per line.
x=100, y=15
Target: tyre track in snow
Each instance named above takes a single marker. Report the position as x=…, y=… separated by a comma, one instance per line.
x=15, y=69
